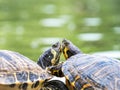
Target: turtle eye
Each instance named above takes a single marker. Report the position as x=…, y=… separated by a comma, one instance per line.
x=49, y=56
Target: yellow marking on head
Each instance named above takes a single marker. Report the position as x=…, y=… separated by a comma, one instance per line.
x=65, y=52
x=86, y=86
x=53, y=61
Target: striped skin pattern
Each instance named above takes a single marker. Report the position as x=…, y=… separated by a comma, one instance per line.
x=18, y=72
x=101, y=72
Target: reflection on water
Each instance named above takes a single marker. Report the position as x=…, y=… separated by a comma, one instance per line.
x=113, y=54
x=52, y=22
x=92, y=21
x=55, y=22
x=90, y=36
x=117, y=30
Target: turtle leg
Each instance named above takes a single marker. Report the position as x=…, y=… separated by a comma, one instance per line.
x=56, y=70
x=75, y=78
x=54, y=85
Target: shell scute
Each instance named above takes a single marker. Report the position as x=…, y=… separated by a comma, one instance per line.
x=33, y=76
x=22, y=76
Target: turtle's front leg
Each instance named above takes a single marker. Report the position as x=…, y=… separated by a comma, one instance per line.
x=56, y=70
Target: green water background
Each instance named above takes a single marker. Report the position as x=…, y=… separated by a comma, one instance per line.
x=25, y=25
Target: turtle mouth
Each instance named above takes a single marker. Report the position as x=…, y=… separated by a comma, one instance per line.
x=57, y=59
x=57, y=48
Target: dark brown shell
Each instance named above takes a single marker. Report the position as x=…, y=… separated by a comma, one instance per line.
x=102, y=72
x=18, y=69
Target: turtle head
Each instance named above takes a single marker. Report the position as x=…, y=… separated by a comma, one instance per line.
x=69, y=49
x=51, y=56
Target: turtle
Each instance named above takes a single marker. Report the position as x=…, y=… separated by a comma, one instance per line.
x=87, y=71
x=17, y=72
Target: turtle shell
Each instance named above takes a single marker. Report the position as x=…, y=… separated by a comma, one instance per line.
x=18, y=72
x=101, y=72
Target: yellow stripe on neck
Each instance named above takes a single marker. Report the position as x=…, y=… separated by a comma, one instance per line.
x=65, y=53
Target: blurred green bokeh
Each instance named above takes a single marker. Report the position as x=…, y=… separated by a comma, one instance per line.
x=29, y=26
